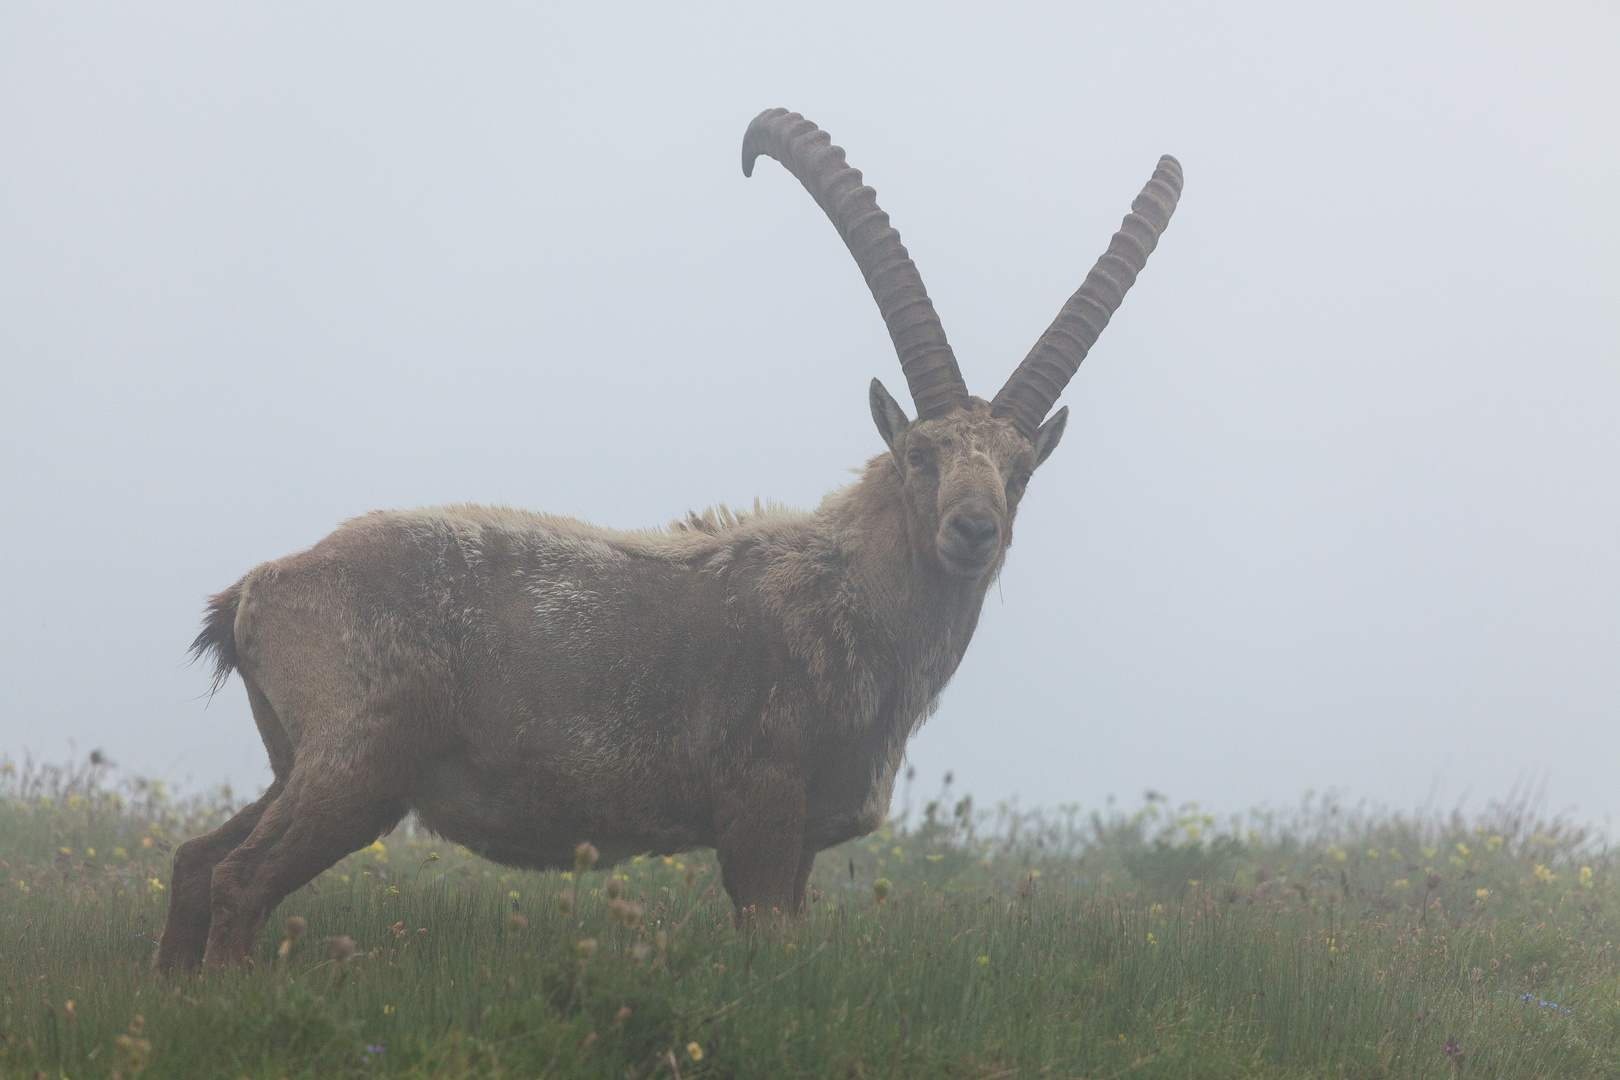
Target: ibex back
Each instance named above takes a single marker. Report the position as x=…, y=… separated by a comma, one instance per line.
x=742, y=681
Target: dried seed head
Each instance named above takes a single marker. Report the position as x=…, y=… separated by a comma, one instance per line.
x=516, y=922
x=631, y=914
x=342, y=948
x=585, y=949
x=613, y=888
x=615, y=911
x=565, y=902
x=640, y=950
x=691, y=875
x=585, y=856
x=1433, y=881
x=294, y=927
x=622, y=1015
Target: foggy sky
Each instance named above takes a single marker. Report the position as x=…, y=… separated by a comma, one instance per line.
x=1337, y=506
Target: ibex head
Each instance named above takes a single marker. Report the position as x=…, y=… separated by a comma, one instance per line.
x=963, y=462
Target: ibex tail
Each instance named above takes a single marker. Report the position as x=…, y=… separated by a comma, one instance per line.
x=218, y=634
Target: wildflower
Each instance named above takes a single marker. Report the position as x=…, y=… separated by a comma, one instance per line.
x=1335, y=854
x=585, y=856
x=66, y=850
x=1372, y=853
x=880, y=889
x=516, y=922
x=1493, y=843
x=613, y=888
x=120, y=853
x=514, y=895
x=622, y=1015
x=1586, y=877
x=146, y=841
x=342, y=948
x=372, y=1051
x=897, y=851
x=1151, y=939
x=1429, y=852
x=1544, y=875
x=67, y=1006
x=1401, y=883
x=585, y=949
x=933, y=858
x=983, y=960
x=669, y=860
x=131, y=1048
x=1481, y=894
x=1454, y=1048
x=694, y=1051
x=90, y=853
x=392, y=890
x=157, y=886
x=1462, y=849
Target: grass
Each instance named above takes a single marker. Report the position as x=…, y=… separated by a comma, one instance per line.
x=1320, y=942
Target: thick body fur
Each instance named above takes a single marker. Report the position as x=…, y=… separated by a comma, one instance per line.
x=526, y=682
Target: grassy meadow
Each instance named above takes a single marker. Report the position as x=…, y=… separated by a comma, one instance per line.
x=1323, y=941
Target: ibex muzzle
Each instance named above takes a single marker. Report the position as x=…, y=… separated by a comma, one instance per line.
x=742, y=681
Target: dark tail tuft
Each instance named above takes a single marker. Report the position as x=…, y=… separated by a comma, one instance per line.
x=219, y=634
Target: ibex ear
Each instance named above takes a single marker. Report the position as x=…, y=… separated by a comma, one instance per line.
x=890, y=419
x=1050, y=434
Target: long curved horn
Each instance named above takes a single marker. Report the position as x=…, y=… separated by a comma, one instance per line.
x=1056, y=357
x=807, y=152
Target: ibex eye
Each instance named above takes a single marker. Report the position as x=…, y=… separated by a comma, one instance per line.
x=914, y=458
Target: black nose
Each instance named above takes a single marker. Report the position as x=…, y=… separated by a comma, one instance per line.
x=975, y=526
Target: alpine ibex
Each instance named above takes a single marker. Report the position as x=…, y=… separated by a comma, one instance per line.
x=742, y=681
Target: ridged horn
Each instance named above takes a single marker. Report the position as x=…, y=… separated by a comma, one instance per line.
x=807, y=152
x=1035, y=386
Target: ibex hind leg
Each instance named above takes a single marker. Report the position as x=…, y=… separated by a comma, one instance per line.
x=327, y=810
x=185, y=928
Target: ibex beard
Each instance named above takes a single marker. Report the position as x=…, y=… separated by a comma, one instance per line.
x=741, y=681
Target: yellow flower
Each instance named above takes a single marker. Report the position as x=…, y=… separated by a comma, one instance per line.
x=146, y=841
x=1372, y=853
x=66, y=850
x=1493, y=843
x=1586, y=877
x=120, y=853
x=983, y=960
x=1152, y=940
x=1429, y=852
x=157, y=886
x=933, y=858
x=669, y=860
x=1481, y=894
x=694, y=1051
x=1400, y=883
x=1462, y=849
x=513, y=895
x=1544, y=874
x=90, y=852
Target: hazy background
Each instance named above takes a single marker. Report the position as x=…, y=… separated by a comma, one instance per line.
x=1337, y=506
